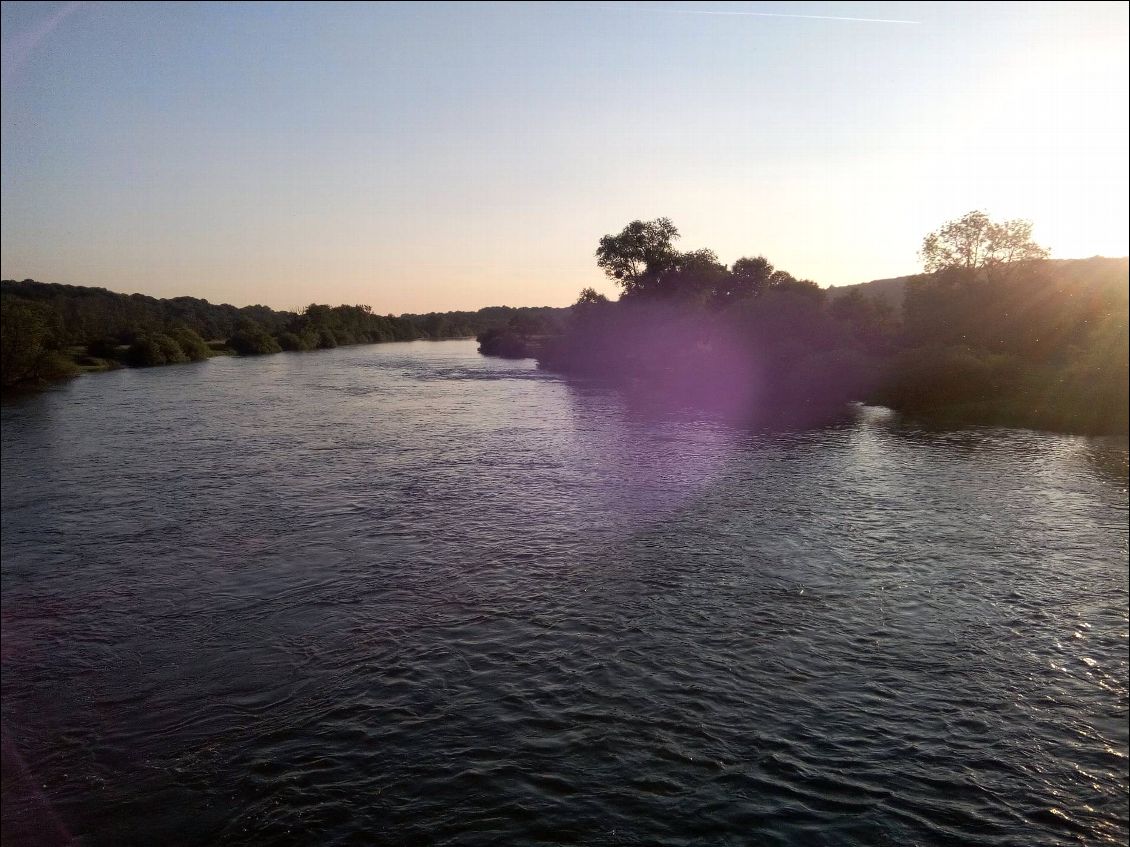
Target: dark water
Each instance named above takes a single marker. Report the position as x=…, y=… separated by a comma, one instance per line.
x=402, y=594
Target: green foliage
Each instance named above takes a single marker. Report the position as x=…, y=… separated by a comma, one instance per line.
x=193, y=347
x=325, y=327
x=644, y=261
x=55, y=365
x=251, y=339
x=291, y=341
x=90, y=313
x=159, y=348
x=748, y=278
x=468, y=324
x=506, y=343
x=522, y=336
x=973, y=242
x=170, y=349
x=995, y=334
x=590, y=297
x=109, y=327
x=926, y=378
x=693, y=277
x=1045, y=346
x=869, y=322
x=639, y=254
x=31, y=347
x=145, y=352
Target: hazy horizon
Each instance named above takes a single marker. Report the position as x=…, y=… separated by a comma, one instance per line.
x=444, y=157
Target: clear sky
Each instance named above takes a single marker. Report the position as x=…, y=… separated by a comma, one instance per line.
x=422, y=157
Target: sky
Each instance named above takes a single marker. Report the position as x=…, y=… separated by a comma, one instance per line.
x=427, y=157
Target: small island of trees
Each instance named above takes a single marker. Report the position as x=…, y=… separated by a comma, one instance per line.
x=992, y=332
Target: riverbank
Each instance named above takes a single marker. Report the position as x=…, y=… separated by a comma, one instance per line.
x=52, y=332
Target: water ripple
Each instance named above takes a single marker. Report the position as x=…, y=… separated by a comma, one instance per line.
x=405, y=594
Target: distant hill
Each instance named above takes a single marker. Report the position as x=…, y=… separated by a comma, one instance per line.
x=892, y=291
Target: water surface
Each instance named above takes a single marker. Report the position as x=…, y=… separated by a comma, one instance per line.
x=404, y=594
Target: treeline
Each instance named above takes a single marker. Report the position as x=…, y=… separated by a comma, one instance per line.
x=1036, y=343
x=994, y=332
x=50, y=331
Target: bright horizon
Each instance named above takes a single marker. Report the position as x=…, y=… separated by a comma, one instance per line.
x=446, y=157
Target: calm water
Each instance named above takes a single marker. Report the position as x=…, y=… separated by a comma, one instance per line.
x=403, y=594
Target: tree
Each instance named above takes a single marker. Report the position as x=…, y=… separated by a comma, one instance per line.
x=146, y=352
x=783, y=281
x=292, y=341
x=639, y=254
x=191, y=344
x=696, y=276
x=590, y=297
x=29, y=343
x=250, y=339
x=589, y=303
x=973, y=243
x=171, y=350
x=749, y=277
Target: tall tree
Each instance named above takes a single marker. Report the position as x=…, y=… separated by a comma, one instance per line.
x=973, y=242
x=639, y=254
x=696, y=276
x=749, y=277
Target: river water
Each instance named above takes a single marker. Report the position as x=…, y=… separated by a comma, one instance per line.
x=405, y=594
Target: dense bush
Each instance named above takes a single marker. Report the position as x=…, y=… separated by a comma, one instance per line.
x=171, y=350
x=252, y=340
x=927, y=378
x=194, y=348
x=507, y=342
x=292, y=341
x=145, y=352
x=159, y=348
x=42, y=319
x=30, y=344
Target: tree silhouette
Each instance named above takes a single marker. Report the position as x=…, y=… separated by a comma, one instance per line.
x=639, y=254
x=749, y=277
x=973, y=242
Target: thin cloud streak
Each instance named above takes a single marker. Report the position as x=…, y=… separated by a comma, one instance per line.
x=753, y=14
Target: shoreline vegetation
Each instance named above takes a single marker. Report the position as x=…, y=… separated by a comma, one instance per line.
x=992, y=332
x=50, y=332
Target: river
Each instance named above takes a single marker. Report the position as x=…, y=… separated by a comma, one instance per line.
x=406, y=594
